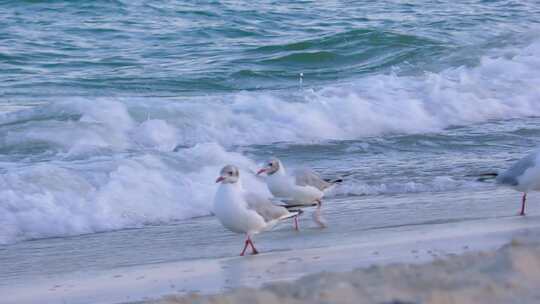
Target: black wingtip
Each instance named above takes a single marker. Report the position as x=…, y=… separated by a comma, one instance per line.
x=299, y=206
x=293, y=213
x=333, y=181
x=486, y=176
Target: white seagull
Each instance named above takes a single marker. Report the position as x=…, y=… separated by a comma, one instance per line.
x=523, y=176
x=302, y=189
x=245, y=212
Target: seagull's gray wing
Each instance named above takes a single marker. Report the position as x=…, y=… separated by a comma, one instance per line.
x=264, y=207
x=308, y=177
x=510, y=176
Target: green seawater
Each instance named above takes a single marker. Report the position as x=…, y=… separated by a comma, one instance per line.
x=172, y=48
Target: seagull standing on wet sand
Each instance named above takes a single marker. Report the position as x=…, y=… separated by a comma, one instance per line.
x=245, y=212
x=523, y=176
x=303, y=189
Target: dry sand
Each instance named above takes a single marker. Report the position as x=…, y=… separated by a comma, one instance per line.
x=508, y=275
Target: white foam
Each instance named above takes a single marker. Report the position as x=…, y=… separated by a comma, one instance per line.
x=158, y=134
x=59, y=198
x=501, y=87
x=110, y=167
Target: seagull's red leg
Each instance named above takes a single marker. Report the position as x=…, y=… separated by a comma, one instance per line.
x=245, y=246
x=253, y=249
x=296, y=223
x=523, y=204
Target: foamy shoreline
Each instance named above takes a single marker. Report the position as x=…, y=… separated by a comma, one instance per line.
x=510, y=274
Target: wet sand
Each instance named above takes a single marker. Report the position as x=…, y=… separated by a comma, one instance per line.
x=452, y=262
x=510, y=274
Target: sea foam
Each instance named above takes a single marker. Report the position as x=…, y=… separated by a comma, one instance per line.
x=501, y=86
x=85, y=165
x=67, y=198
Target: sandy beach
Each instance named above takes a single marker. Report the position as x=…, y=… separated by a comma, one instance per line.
x=510, y=274
x=457, y=264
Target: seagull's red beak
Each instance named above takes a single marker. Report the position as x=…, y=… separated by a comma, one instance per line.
x=220, y=179
x=261, y=171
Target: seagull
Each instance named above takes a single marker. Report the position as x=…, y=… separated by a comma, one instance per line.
x=303, y=189
x=245, y=212
x=522, y=176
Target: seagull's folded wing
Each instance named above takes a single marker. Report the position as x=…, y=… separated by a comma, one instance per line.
x=517, y=170
x=264, y=207
x=308, y=177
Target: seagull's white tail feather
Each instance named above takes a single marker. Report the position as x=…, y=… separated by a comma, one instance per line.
x=270, y=225
x=292, y=213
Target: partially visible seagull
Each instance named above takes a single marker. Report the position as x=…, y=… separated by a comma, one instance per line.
x=245, y=212
x=302, y=189
x=523, y=176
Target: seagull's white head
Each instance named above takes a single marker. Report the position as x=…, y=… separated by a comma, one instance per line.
x=272, y=166
x=228, y=175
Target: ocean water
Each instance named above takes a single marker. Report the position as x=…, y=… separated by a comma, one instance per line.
x=116, y=116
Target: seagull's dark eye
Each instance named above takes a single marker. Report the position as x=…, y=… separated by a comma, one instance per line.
x=270, y=164
x=230, y=173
